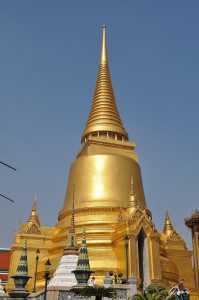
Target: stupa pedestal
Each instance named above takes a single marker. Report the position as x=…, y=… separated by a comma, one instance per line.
x=20, y=292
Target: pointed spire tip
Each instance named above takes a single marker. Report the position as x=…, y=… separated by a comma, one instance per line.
x=35, y=201
x=104, y=55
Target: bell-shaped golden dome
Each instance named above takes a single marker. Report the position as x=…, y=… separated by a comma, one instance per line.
x=107, y=161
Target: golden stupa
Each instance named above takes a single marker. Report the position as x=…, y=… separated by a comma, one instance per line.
x=110, y=202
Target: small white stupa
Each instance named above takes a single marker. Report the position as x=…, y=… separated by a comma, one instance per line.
x=68, y=262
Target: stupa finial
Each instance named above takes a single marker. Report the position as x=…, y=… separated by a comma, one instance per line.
x=104, y=118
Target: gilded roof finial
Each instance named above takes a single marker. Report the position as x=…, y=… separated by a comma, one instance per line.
x=104, y=116
x=168, y=228
x=104, y=55
x=132, y=199
x=34, y=215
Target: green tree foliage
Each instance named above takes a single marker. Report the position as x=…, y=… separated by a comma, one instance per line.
x=156, y=291
x=97, y=291
x=146, y=297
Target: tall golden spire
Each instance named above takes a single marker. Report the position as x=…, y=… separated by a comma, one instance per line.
x=104, y=117
x=168, y=228
x=34, y=215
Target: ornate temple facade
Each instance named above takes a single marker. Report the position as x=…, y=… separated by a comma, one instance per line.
x=110, y=202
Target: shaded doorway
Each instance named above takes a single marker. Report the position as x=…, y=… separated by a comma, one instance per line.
x=143, y=257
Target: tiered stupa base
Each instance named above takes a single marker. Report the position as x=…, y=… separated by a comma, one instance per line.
x=63, y=275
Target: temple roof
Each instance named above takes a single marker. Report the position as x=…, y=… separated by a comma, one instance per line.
x=104, y=115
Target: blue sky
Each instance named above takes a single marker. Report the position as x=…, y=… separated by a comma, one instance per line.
x=49, y=58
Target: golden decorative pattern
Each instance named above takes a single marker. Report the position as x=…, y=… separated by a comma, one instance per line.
x=33, y=229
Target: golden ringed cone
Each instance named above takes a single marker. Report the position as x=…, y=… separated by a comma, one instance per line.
x=104, y=116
